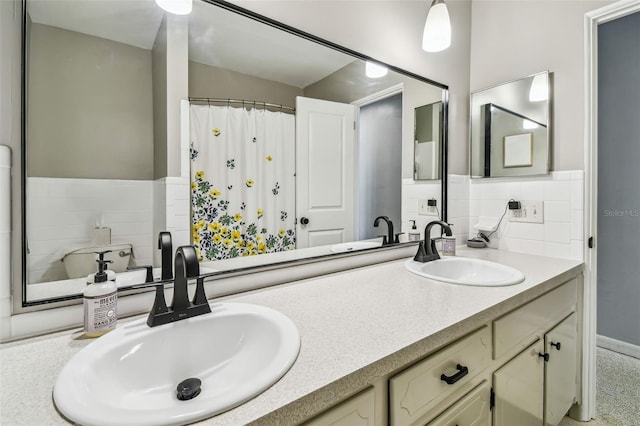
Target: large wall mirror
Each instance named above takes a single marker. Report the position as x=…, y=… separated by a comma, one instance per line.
x=510, y=128
x=256, y=144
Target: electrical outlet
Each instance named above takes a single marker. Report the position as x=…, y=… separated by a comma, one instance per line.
x=424, y=209
x=530, y=211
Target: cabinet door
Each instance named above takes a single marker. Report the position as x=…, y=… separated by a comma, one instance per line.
x=519, y=388
x=357, y=411
x=471, y=410
x=560, y=373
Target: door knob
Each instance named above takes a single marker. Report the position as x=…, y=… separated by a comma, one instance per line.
x=304, y=220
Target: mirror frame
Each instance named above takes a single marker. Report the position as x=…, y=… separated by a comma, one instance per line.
x=549, y=113
x=75, y=298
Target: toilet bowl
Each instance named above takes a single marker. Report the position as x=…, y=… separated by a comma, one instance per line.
x=82, y=262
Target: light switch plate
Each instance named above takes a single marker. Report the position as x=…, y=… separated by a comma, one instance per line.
x=531, y=211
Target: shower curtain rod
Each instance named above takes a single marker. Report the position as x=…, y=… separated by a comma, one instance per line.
x=241, y=101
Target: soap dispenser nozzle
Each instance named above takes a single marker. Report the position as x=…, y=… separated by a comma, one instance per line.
x=101, y=275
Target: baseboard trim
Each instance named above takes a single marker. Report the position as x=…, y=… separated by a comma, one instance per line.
x=618, y=346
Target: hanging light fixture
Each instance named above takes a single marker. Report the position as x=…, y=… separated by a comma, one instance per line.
x=177, y=7
x=437, y=29
x=539, y=90
x=374, y=70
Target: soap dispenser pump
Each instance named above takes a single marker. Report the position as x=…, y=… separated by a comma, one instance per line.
x=414, y=234
x=100, y=300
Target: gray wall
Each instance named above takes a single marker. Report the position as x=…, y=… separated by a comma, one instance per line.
x=206, y=81
x=159, y=64
x=89, y=107
x=379, y=166
x=618, y=179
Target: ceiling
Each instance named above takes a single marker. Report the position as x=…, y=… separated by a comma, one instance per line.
x=216, y=37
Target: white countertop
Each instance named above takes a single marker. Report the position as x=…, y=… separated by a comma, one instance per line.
x=355, y=326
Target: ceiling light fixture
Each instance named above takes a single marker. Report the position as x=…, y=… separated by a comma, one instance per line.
x=374, y=70
x=177, y=7
x=437, y=29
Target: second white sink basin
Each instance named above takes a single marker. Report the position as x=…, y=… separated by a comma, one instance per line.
x=466, y=271
x=129, y=376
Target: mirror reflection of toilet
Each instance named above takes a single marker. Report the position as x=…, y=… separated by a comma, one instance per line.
x=82, y=262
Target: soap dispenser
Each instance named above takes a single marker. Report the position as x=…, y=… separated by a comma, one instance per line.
x=100, y=300
x=414, y=234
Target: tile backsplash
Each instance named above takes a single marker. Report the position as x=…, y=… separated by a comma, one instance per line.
x=62, y=213
x=412, y=192
x=560, y=235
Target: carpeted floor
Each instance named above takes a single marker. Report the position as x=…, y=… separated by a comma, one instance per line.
x=617, y=391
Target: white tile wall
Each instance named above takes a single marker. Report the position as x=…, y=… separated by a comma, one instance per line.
x=561, y=234
x=62, y=212
x=172, y=211
x=459, y=206
x=412, y=191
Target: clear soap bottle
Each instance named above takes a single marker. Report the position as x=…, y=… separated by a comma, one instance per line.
x=414, y=234
x=100, y=300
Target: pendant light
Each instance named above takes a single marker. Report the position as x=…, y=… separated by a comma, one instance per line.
x=374, y=70
x=177, y=7
x=437, y=29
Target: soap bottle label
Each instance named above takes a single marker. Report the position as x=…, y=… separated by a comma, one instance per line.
x=100, y=312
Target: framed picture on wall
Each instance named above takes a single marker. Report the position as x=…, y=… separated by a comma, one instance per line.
x=518, y=150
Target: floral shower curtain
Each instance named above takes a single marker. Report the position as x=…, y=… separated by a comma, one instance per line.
x=242, y=181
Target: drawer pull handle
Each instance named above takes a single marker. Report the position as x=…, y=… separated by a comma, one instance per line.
x=462, y=371
x=544, y=356
x=556, y=345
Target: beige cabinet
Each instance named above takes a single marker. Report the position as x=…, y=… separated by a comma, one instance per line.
x=419, y=389
x=561, y=370
x=356, y=411
x=471, y=410
x=519, y=389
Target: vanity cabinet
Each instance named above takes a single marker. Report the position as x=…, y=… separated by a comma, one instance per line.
x=471, y=410
x=419, y=389
x=356, y=411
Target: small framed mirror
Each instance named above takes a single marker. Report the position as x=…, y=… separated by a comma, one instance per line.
x=510, y=128
x=427, y=145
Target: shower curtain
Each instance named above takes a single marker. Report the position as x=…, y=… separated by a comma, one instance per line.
x=242, y=181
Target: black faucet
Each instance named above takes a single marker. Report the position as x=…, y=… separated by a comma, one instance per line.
x=186, y=266
x=390, y=238
x=166, y=250
x=427, y=249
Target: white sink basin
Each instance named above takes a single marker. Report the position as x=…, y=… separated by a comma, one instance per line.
x=129, y=376
x=466, y=271
x=354, y=246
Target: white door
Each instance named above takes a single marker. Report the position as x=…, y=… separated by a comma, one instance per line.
x=325, y=172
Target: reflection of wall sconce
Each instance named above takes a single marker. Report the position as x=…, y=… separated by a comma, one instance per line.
x=374, y=70
x=528, y=124
x=177, y=7
x=437, y=28
x=539, y=90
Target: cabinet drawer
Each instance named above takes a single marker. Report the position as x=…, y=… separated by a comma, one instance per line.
x=473, y=409
x=518, y=328
x=356, y=411
x=417, y=390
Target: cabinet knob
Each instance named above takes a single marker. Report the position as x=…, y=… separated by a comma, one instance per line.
x=556, y=345
x=544, y=356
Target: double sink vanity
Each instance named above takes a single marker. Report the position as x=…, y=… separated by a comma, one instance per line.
x=376, y=345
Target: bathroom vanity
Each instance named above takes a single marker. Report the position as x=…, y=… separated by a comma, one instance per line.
x=380, y=345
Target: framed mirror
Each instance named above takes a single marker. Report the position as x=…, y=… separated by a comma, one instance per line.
x=129, y=120
x=510, y=129
x=427, y=147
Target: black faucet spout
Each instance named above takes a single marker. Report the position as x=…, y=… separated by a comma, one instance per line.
x=389, y=238
x=186, y=266
x=166, y=251
x=427, y=250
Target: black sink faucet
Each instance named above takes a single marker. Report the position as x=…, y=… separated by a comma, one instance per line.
x=389, y=238
x=166, y=250
x=427, y=249
x=186, y=267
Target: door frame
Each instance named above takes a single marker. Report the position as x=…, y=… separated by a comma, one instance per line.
x=592, y=20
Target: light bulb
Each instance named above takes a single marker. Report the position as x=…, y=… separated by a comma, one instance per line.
x=177, y=7
x=373, y=70
x=437, y=29
x=539, y=90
